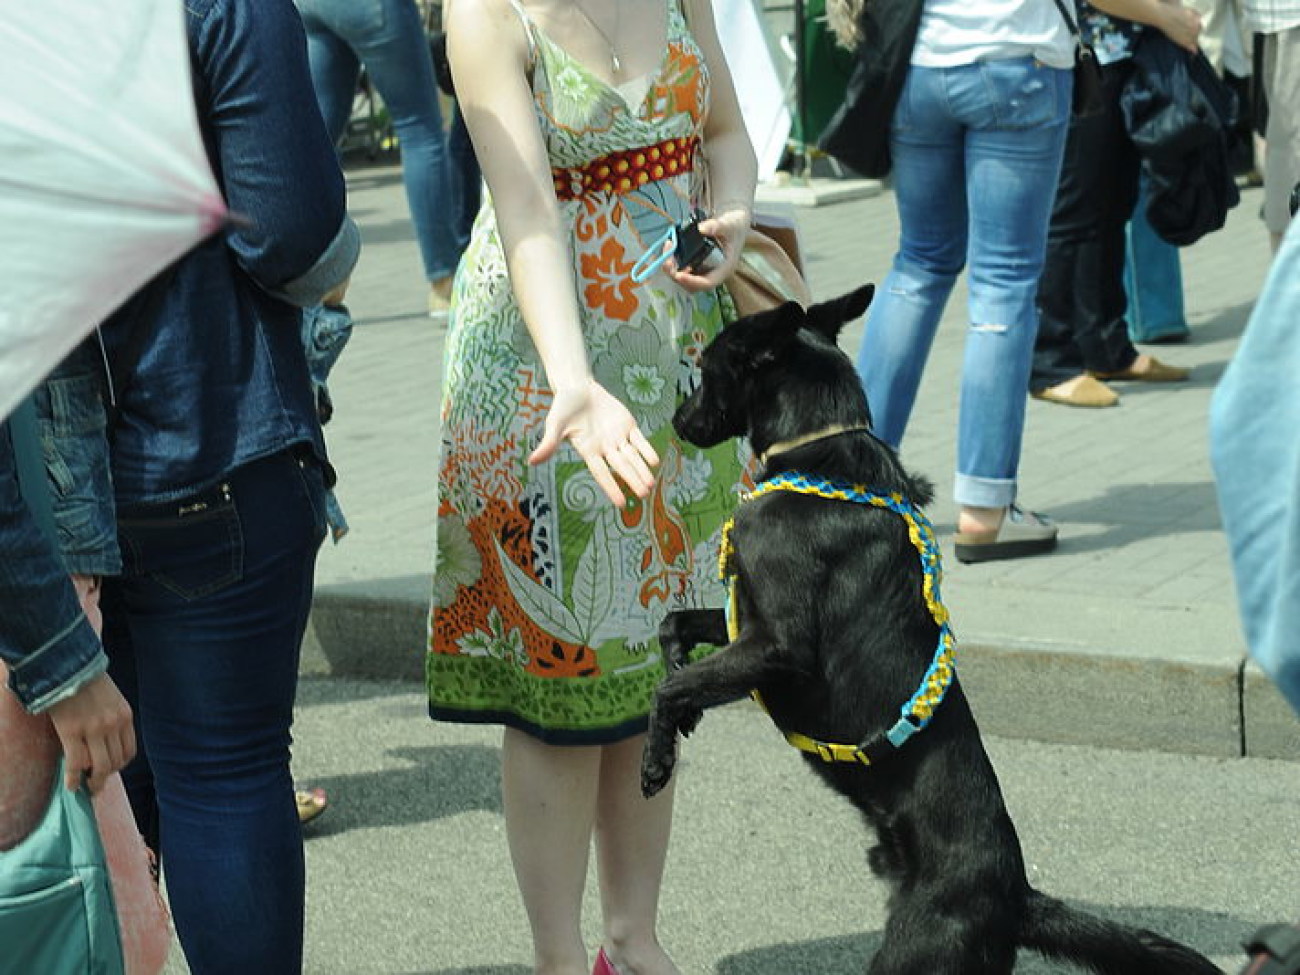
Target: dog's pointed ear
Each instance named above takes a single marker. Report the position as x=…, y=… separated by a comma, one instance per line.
x=830, y=317
x=769, y=333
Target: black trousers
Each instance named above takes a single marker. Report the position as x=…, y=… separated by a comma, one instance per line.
x=1081, y=299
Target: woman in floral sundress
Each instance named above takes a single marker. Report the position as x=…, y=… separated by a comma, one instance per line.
x=570, y=518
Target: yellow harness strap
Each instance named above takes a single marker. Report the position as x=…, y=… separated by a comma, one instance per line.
x=916, y=713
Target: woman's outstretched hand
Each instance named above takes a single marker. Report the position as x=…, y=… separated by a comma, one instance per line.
x=605, y=435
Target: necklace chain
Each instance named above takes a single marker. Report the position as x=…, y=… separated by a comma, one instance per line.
x=614, y=61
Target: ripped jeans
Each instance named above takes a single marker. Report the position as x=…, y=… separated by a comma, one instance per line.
x=977, y=154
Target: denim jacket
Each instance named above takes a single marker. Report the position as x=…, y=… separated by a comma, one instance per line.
x=73, y=425
x=45, y=638
x=217, y=376
x=207, y=366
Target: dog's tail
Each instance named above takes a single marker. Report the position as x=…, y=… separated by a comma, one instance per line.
x=1054, y=929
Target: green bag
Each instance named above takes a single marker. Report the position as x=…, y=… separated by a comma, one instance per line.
x=57, y=914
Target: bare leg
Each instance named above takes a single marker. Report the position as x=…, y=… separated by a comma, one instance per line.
x=549, y=794
x=631, y=849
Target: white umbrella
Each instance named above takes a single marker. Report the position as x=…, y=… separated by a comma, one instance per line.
x=103, y=176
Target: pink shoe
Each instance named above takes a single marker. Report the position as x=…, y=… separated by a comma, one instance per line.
x=603, y=965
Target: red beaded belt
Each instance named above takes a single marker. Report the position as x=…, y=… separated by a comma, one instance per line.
x=624, y=171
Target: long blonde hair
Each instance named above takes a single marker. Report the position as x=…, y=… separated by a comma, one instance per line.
x=844, y=18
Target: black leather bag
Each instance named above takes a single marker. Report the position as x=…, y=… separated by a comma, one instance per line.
x=1088, y=98
x=1181, y=117
x=858, y=133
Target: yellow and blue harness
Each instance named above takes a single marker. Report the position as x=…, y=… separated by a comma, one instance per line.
x=916, y=713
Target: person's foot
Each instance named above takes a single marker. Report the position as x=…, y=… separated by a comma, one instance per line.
x=311, y=803
x=1148, y=369
x=1082, y=390
x=987, y=534
x=439, y=299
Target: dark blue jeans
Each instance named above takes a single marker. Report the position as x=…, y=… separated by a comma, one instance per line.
x=203, y=633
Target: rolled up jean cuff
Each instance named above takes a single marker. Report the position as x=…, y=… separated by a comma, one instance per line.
x=329, y=271
x=983, y=492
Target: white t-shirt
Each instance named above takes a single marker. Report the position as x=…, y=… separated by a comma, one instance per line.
x=955, y=32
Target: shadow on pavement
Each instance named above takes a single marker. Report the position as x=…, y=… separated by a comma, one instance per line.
x=313, y=691
x=1130, y=512
x=430, y=784
x=1210, y=933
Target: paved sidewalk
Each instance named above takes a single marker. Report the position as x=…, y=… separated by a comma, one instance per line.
x=1126, y=636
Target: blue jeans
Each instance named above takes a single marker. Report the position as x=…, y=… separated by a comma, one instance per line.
x=466, y=179
x=977, y=152
x=1153, y=280
x=203, y=633
x=388, y=37
x=1256, y=456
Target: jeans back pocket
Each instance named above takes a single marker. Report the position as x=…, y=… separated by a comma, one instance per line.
x=192, y=547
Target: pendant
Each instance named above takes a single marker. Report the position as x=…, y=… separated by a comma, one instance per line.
x=615, y=62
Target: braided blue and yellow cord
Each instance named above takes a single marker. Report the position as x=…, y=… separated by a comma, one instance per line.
x=919, y=709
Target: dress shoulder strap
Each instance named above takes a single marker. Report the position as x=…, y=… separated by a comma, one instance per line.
x=530, y=29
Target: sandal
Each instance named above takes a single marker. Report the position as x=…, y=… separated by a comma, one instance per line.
x=311, y=803
x=1021, y=533
x=1274, y=950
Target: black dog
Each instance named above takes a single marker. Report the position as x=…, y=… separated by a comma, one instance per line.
x=839, y=626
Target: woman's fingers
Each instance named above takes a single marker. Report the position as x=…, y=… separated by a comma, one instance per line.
x=102, y=763
x=76, y=762
x=642, y=445
x=631, y=469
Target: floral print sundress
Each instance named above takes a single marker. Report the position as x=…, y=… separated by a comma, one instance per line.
x=546, y=598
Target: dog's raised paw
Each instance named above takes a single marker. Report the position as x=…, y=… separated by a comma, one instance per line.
x=689, y=722
x=655, y=774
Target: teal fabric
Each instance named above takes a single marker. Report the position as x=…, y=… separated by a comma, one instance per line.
x=1153, y=281
x=57, y=913
x=30, y=460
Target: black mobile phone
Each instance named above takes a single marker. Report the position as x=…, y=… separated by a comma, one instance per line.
x=696, y=252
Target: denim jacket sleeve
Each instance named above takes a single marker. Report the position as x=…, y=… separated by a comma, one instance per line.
x=72, y=422
x=45, y=638
x=269, y=146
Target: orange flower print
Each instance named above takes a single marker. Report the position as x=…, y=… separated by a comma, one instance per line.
x=684, y=84
x=610, y=287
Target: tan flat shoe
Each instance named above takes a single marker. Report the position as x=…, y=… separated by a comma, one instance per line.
x=1152, y=371
x=1080, y=391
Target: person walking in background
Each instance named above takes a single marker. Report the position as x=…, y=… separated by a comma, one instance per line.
x=387, y=37
x=976, y=139
x=594, y=122
x=1278, y=24
x=219, y=473
x=1083, y=336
